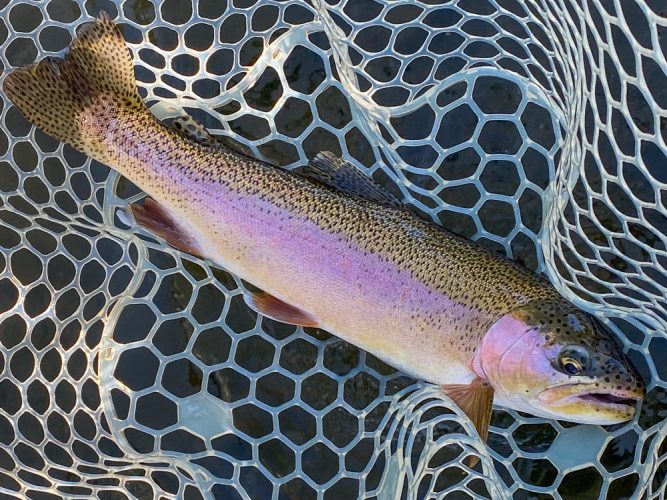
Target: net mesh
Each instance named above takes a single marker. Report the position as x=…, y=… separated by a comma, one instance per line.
x=132, y=370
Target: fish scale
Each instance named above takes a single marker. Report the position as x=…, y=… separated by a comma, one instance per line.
x=448, y=265
x=444, y=264
x=432, y=304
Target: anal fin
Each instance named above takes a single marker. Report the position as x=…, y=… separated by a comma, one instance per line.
x=274, y=308
x=152, y=216
x=476, y=401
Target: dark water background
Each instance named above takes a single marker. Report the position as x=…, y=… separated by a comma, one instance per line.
x=304, y=70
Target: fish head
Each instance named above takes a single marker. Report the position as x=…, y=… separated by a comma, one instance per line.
x=552, y=360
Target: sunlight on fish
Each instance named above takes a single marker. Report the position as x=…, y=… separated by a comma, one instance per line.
x=330, y=248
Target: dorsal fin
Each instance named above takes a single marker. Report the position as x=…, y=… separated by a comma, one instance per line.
x=342, y=175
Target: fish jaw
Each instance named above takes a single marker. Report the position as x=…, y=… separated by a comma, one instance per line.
x=523, y=364
x=590, y=403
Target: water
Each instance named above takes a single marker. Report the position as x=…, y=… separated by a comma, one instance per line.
x=171, y=340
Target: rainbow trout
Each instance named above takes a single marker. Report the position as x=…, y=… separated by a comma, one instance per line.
x=329, y=248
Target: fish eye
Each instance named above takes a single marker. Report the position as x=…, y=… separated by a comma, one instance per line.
x=571, y=366
x=573, y=360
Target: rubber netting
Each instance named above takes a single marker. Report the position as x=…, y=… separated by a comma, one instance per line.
x=132, y=370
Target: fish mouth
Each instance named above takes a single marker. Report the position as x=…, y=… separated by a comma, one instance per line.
x=608, y=399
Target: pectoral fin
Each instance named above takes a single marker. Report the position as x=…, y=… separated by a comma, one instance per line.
x=476, y=401
x=274, y=308
x=157, y=220
x=342, y=175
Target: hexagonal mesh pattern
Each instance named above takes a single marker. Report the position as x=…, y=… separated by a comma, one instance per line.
x=132, y=370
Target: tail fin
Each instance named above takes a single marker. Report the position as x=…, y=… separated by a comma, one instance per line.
x=52, y=93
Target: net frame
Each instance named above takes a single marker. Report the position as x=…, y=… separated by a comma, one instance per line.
x=59, y=207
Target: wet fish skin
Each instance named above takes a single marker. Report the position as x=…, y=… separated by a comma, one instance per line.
x=299, y=240
x=426, y=301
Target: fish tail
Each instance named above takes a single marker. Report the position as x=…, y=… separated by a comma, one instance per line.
x=57, y=94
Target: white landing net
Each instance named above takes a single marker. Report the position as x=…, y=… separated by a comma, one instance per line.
x=130, y=370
